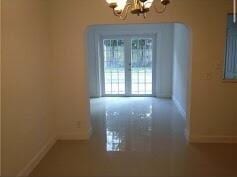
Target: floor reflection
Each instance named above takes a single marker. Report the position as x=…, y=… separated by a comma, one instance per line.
x=128, y=126
x=115, y=132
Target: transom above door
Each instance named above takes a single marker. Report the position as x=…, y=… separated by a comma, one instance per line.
x=127, y=66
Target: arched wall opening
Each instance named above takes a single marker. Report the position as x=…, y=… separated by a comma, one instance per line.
x=172, y=60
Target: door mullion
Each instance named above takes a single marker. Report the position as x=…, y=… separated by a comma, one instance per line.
x=128, y=66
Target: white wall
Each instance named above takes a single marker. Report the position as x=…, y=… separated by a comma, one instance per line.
x=163, y=53
x=213, y=109
x=180, y=67
x=27, y=121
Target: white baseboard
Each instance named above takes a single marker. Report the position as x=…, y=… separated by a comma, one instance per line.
x=37, y=158
x=44, y=150
x=180, y=108
x=164, y=96
x=75, y=136
x=211, y=139
x=85, y=136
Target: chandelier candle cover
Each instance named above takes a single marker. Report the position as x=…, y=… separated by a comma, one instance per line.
x=139, y=7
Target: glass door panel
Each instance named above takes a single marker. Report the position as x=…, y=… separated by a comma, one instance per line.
x=127, y=66
x=141, y=66
x=114, y=67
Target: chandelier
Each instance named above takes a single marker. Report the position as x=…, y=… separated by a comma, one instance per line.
x=139, y=7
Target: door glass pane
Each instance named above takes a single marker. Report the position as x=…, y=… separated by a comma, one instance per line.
x=114, y=63
x=141, y=66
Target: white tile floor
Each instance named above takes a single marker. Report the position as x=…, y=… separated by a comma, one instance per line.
x=131, y=123
x=137, y=137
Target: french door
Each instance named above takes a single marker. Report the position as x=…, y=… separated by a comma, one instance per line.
x=127, y=66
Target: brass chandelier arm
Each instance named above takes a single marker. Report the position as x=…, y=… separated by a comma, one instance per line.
x=125, y=11
x=123, y=14
x=116, y=13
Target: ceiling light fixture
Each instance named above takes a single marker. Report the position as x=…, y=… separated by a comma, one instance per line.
x=139, y=7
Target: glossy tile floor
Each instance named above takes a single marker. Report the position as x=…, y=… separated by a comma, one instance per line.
x=137, y=137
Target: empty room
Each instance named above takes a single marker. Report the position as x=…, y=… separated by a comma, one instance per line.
x=118, y=88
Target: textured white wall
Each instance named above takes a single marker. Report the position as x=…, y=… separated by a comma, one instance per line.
x=27, y=122
x=163, y=53
x=180, y=67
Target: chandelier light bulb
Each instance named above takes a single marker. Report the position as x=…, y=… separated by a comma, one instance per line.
x=148, y=4
x=111, y=1
x=121, y=5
